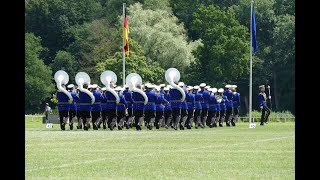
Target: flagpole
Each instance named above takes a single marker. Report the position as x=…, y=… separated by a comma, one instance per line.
x=250, y=88
x=123, y=51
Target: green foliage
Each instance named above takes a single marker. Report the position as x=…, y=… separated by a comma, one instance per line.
x=225, y=53
x=65, y=61
x=161, y=36
x=38, y=77
x=283, y=116
x=136, y=62
x=94, y=42
x=50, y=20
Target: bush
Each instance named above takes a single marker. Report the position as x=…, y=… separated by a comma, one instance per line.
x=274, y=116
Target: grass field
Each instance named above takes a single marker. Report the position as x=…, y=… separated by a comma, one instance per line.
x=266, y=152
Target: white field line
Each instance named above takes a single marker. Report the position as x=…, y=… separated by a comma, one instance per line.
x=150, y=154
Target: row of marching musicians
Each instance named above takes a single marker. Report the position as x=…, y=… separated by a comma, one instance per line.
x=203, y=106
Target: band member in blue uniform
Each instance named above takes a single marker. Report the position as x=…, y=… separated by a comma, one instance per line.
x=167, y=108
x=212, y=112
x=184, y=107
x=191, y=104
x=104, y=109
x=228, y=94
x=96, y=106
x=121, y=108
x=73, y=106
x=129, y=116
x=175, y=100
x=138, y=108
x=112, y=108
x=162, y=86
x=198, y=107
x=160, y=102
x=63, y=107
x=204, y=104
x=263, y=106
x=85, y=108
x=223, y=107
x=236, y=105
x=150, y=107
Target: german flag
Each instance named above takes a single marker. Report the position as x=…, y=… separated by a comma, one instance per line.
x=125, y=34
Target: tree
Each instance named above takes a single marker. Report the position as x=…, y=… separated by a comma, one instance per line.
x=38, y=79
x=94, y=42
x=225, y=54
x=51, y=19
x=162, y=38
x=65, y=61
x=136, y=62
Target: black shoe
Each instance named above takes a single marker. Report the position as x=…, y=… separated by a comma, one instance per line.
x=233, y=123
x=201, y=125
x=62, y=126
x=85, y=128
x=228, y=124
x=119, y=128
x=166, y=126
x=188, y=126
x=71, y=127
x=150, y=127
x=261, y=124
x=220, y=125
x=104, y=126
x=181, y=127
x=127, y=126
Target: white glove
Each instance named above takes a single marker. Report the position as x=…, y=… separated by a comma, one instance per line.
x=261, y=107
x=269, y=97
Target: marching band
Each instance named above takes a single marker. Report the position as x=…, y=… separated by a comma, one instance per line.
x=159, y=106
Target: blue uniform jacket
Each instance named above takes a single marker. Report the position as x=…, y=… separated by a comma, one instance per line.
x=63, y=104
x=184, y=104
x=84, y=102
x=190, y=100
x=96, y=106
x=138, y=101
x=122, y=103
x=262, y=99
x=75, y=99
x=175, y=98
x=223, y=102
x=111, y=101
x=128, y=97
x=205, y=96
x=229, y=95
x=212, y=103
x=151, y=105
x=104, y=102
x=198, y=100
x=236, y=100
x=167, y=107
x=160, y=102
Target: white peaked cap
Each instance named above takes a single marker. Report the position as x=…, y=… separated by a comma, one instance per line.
x=262, y=86
x=196, y=87
x=147, y=84
x=166, y=88
x=181, y=84
x=90, y=86
x=118, y=88
x=214, y=90
x=207, y=87
x=203, y=85
x=220, y=90
x=162, y=85
x=234, y=86
x=169, y=86
x=210, y=89
x=94, y=85
x=126, y=86
x=189, y=88
x=228, y=86
x=70, y=86
x=157, y=88
x=104, y=88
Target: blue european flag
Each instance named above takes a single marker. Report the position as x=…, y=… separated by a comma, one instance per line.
x=254, y=39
